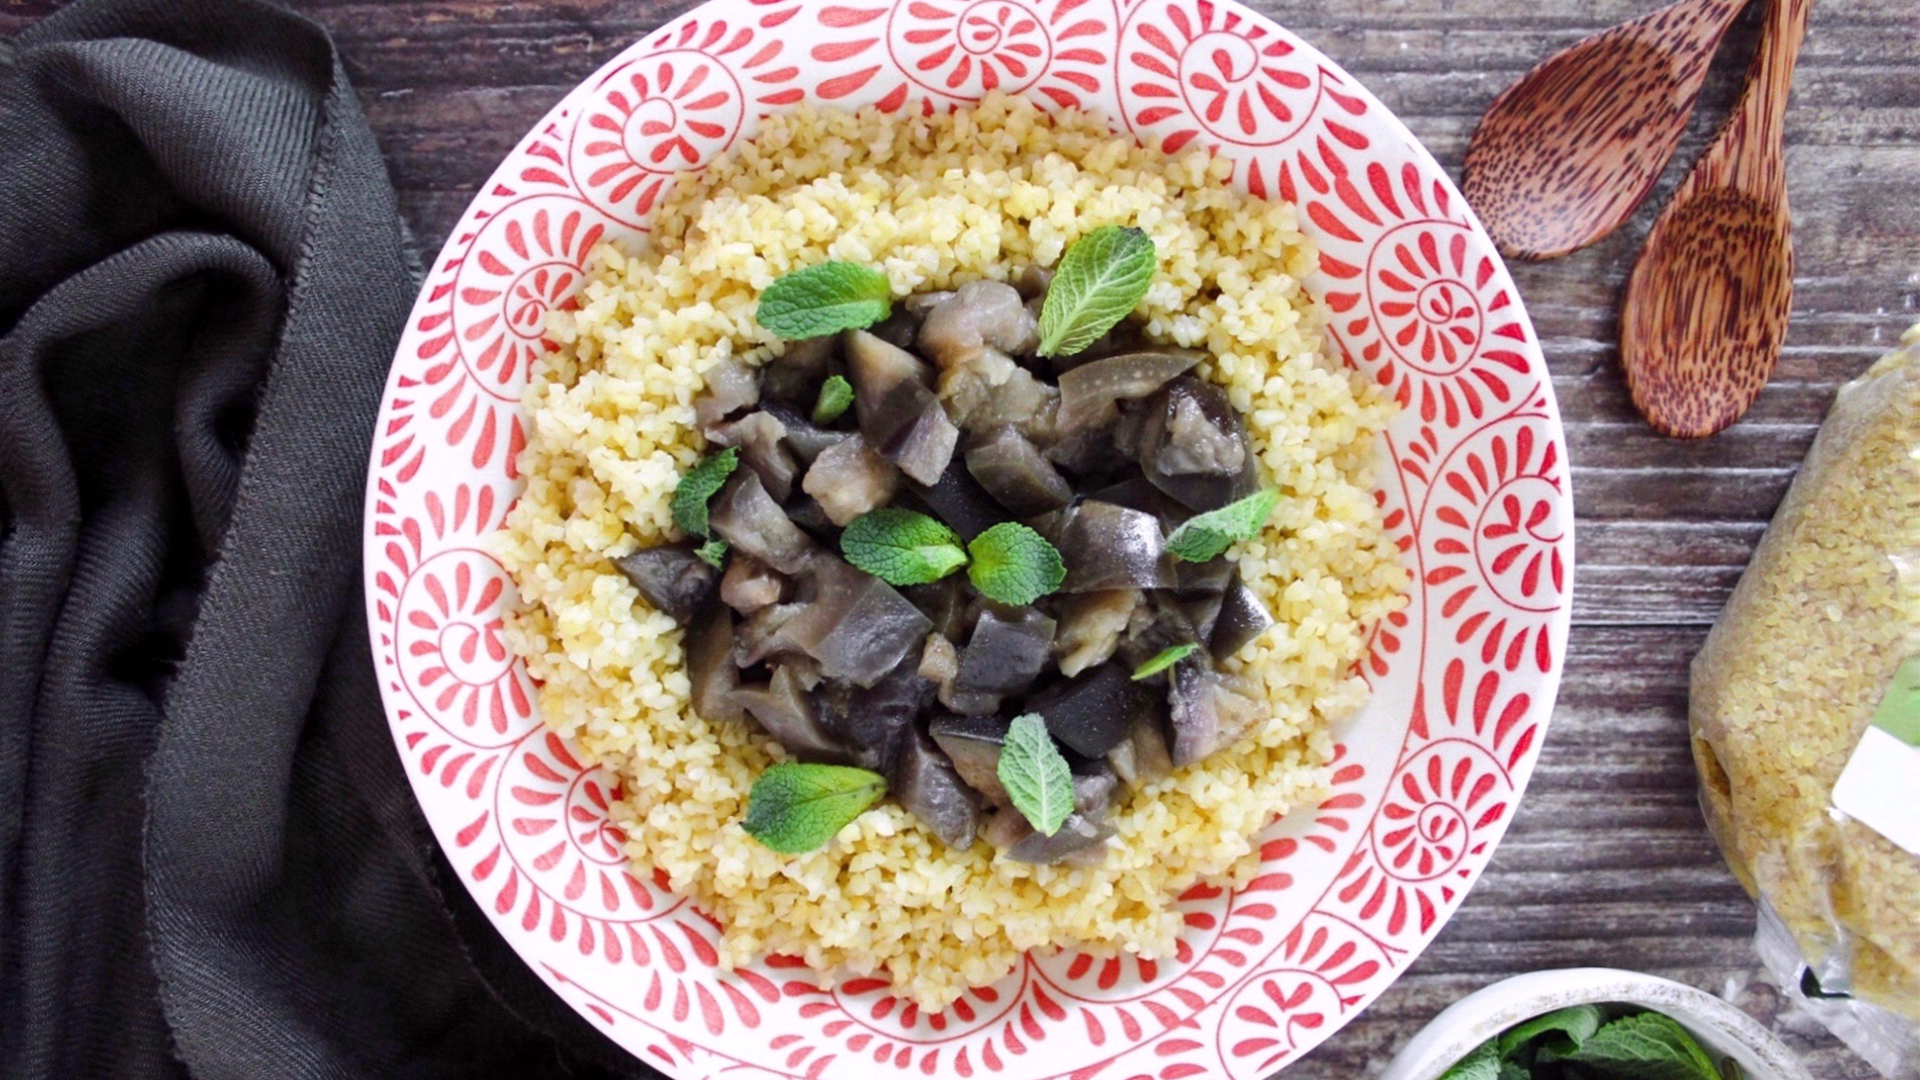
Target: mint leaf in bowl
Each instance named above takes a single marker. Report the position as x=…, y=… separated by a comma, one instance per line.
x=796, y=807
x=902, y=547
x=1100, y=280
x=1206, y=536
x=1014, y=565
x=1035, y=774
x=825, y=299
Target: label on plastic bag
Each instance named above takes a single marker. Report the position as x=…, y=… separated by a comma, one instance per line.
x=1878, y=786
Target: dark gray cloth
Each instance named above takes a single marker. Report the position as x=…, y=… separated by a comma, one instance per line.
x=210, y=861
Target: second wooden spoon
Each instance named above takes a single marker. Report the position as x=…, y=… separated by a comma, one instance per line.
x=1706, y=308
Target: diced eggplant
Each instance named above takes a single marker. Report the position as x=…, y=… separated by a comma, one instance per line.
x=926, y=783
x=805, y=438
x=731, y=387
x=1143, y=757
x=944, y=602
x=1078, y=833
x=1109, y=547
x=973, y=744
x=1016, y=474
x=857, y=626
x=749, y=585
x=1095, y=789
x=979, y=316
x=671, y=578
x=1204, y=578
x=1089, y=392
x=1090, y=627
x=1032, y=281
x=939, y=660
x=1092, y=713
x=1206, y=713
x=1194, y=445
x=876, y=370
x=877, y=718
x=760, y=637
x=898, y=329
x=848, y=479
x=1158, y=624
x=1006, y=652
x=1004, y=395
x=748, y=518
x=710, y=668
x=794, y=377
x=1088, y=454
x=805, y=511
x=787, y=712
x=761, y=439
x=919, y=304
x=958, y=499
x=1242, y=618
x=1136, y=493
x=910, y=428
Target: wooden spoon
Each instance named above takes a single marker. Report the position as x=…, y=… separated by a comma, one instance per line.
x=1566, y=154
x=1706, y=308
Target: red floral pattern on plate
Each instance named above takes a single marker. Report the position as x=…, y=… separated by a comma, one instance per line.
x=1474, y=487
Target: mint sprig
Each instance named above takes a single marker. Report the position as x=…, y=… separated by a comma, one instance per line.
x=1035, y=774
x=1100, y=280
x=1567, y=1027
x=713, y=552
x=902, y=547
x=1581, y=1043
x=1014, y=565
x=698, y=486
x=835, y=395
x=825, y=299
x=797, y=807
x=1482, y=1064
x=1163, y=660
x=1646, y=1046
x=1206, y=536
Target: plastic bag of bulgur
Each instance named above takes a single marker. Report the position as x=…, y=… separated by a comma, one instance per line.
x=1805, y=715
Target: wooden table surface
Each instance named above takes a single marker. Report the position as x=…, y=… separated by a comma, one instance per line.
x=1608, y=862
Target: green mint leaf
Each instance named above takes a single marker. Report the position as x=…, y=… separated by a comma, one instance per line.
x=702, y=482
x=1511, y=1070
x=825, y=299
x=1163, y=660
x=795, y=807
x=835, y=395
x=1206, y=536
x=1644, y=1046
x=1099, y=281
x=1035, y=774
x=901, y=547
x=713, y=552
x=1482, y=1064
x=1014, y=565
x=1566, y=1030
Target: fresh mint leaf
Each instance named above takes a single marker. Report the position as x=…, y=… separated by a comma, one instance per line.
x=1510, y=1070
x=1643, y=1046
x=1567, y=1028
x=702, y=482
x=1014, y=565
x=713, y=552
x=825, y=299
x=1483, y=1063
x=797, y=807
x=1206, y=536
x=901, y=547
x=1163, y=660
x=1035, y=774
x=835, y=395
x=1099, y=281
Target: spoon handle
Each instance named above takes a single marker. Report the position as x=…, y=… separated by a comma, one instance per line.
x=1747, y=154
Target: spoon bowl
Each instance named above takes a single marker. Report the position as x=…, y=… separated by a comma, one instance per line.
x=1567, y=153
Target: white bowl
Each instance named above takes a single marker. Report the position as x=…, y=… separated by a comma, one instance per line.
x=1722, y=1029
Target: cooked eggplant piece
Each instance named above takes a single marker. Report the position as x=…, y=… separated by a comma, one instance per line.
x=1032, y=281
x=1143, y=757
x=1015, y=473
x=855, y=625
x=973, y=744
x=945, y=602
x=710, y=668
x=1005, y=395
x=919, y=304
x=761, y=439
x=958, y=499
x=1089, y=455
x=805, y=438
x=1006, y=652
x=671, y=578
x=926, y=783
x=910, y=428
x=1077, y=834
x=1090, y=392
x=1090, y=627
x=1203, y=579
x=848, y=479
x=1242, y=618
x=749, y=585
x=1091, y=714
x=878, y=718
x=876, y=369
x=748, y=518
x=979, y=316
x=940, y=663
x=787, y=712
x=1194, y=445
x=731, y=387
x=1136, y=493
x=1109, y=547
x=1206, y=712
x=898, y=329
x=760, y=637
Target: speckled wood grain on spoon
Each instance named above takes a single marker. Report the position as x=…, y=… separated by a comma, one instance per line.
x=1566, y=154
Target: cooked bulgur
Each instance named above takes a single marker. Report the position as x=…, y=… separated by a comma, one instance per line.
x=933, y=201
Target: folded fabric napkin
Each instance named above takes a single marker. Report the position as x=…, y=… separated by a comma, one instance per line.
x=210, y=861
